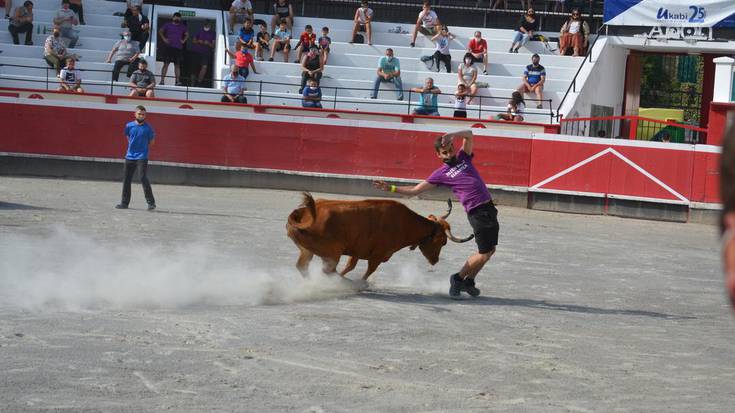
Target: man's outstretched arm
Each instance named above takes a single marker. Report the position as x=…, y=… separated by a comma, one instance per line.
x=422, y=186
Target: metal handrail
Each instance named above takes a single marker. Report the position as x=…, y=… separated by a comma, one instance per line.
x=573, y=86
x=210, y=91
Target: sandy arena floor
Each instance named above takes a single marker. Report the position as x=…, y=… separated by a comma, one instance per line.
x=197, y=307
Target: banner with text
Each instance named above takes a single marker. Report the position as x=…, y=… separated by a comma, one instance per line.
x=670, y=13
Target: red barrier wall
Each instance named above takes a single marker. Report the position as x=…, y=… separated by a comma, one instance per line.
x=548, y=162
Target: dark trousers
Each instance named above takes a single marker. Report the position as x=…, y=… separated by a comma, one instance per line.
x=26, y=28
x=141, y=37
x=446, y=58
x=238, y=99
x=305, y=77
x=132, y=67
x=79, y=10
x=129, y=171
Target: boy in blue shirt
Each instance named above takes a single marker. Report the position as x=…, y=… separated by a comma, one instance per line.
x=140, y=136
x=312, y=95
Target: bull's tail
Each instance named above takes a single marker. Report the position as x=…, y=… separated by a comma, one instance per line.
x=302, y=217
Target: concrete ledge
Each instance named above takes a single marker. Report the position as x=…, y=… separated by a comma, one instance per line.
x=705, y=216
x=575, y=204
x=647, y=210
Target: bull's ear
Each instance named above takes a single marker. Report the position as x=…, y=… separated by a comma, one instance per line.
x=432, y=217
x=413, y=247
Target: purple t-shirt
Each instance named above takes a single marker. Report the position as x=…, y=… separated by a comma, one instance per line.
x=465, y=181
x=203, y=35
x=174, y=33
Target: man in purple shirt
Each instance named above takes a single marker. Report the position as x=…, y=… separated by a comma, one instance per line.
x=203, y=45
x=174, y=37
x=460, y=175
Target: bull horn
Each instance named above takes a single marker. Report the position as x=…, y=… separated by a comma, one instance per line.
x=448, y=232
x=449, y=211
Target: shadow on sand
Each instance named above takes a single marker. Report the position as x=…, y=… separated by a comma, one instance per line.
x=439, y=302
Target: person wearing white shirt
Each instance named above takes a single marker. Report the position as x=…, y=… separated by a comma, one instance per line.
x=427, y=23
x=240, y=11
x=66, y=19
x=363, y=19
x=70, y=78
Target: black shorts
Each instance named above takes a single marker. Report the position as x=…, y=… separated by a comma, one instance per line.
x=280, y=46
x=484, y=222
x=205, y=59
x=460, y=113
x=171, y=54
x=476, y=60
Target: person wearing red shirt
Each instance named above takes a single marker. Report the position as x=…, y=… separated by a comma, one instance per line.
x=478, y=48
x=243, y=60
x=307, y=40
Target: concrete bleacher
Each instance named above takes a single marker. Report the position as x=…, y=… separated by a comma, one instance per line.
x=349, y=75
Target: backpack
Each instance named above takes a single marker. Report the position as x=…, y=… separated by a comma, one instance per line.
x=358, y=38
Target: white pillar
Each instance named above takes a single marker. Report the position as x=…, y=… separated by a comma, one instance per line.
x=723, y=79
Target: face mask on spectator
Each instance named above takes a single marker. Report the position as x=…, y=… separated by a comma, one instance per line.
x=206, y=28
x=126, y=37
x=177, y=21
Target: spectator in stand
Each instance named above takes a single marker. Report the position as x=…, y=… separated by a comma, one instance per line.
x=312, y=95
x=427, y=23
x=132, y=5
x=8, y=7
x=125, y=52
x=76, y=6
x=142, y=81
x=323, y=44
x=467, y=75
x=233, y=86
x=281, y=41
x=262, y=41
x=203, y=46
x=282, y=11
x=516, y=105
x=70, y=78
x=54, y=51
x=428, y=104
x=533, y=80
x=460, y=101
x=307, y=40
x=574, y=34
x=363, y=17
x=240, y=11
x=140, y=27
x=526, y=27
x=247, y=34
x=311, y=67
x=22, y=22
x=243, y=60
x=389, y=70
x=174, y=36
x=478, y=48
x=66, y=19
x=442, y=53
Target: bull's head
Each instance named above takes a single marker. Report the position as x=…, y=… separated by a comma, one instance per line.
x=432, y=245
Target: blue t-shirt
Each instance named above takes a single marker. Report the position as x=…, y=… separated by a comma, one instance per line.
x=312, y=93
x=246, y=35
x=534, y=73
x=389, y=66
x=233, y=85
x=428, y=101
x=139, y=136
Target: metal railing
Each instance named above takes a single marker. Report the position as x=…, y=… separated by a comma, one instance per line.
x=573, y=86
x=634, y=128
x=252, y=85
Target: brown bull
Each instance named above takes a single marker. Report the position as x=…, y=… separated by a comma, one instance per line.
x=371, y=230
